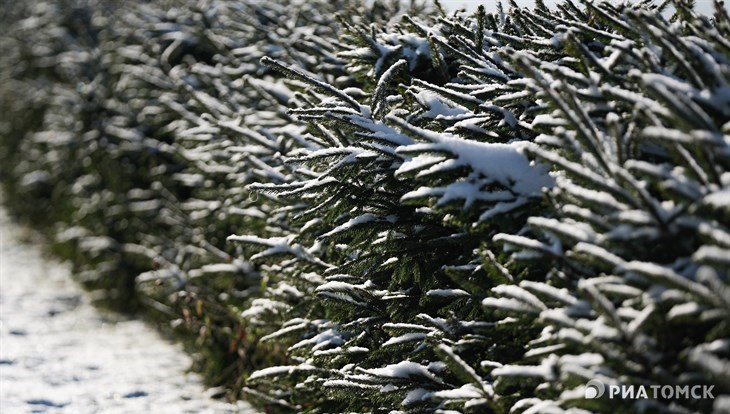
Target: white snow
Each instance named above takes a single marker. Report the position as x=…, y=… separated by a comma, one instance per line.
x=501, y=163
x=280, y=370
x=409, y=337
x=546, y=369
x=358, y=221
x=263, y=306
x=403, y=369
x=687, y=309
x=562, y=295
x=59, y=354
x=417, y=163
x=415, y=396
x=447, y=293
x=326, y=339
x=467, y=391
x=598, y=252
x=712, y=254
x=347, y=384
x=520, y=294
x=438, y=109
x=509, y=305
x=33, y=178
x=720, y=199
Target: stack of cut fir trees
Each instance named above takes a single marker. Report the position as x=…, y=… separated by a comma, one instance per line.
x=347, y=207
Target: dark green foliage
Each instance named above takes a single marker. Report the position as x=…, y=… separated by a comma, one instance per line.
x=391, y=213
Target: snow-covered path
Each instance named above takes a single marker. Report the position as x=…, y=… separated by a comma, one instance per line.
x=59, y=354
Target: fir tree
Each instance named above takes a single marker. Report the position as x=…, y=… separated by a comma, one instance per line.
x=429, y=212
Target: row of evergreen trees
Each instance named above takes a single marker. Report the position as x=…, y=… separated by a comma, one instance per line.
x=431, y=212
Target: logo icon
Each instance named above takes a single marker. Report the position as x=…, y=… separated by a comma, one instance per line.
x=594, y=389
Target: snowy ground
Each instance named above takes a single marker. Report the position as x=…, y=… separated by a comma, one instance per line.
x=58, y=354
